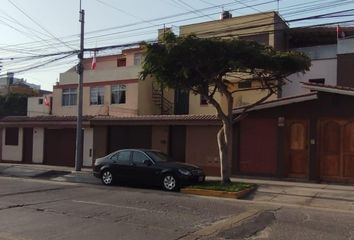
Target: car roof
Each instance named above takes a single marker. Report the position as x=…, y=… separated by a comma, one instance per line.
x=139, y=149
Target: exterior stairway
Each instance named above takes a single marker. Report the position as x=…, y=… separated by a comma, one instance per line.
x=166, y=106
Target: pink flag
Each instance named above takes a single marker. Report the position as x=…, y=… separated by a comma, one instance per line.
x=340, y=32
x=46, y=101
x=93, y=64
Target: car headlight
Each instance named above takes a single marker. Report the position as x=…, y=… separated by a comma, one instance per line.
x=98, y=161
x=184, y=172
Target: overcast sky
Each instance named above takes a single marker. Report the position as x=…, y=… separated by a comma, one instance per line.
x=34, y=27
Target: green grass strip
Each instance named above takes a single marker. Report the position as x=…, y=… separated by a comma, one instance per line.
x=217, y=186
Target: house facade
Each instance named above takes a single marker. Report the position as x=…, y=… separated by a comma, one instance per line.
x=112, y=88
x=297, y=137
x=291, y=137
x=265, y=28
x=40, y=106
x=331, y=58
x=309, y=137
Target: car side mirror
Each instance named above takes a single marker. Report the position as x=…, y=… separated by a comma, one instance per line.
x=147, y=162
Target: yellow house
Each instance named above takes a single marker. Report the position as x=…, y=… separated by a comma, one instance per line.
x=265, y=28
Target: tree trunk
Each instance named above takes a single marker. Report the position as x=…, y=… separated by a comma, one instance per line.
x=224, y=138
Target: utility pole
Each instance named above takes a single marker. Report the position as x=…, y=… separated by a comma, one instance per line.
x=80, y=71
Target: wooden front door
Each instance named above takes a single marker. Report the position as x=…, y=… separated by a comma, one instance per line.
x=296, y=148
x=336, y=150
x=27, y=149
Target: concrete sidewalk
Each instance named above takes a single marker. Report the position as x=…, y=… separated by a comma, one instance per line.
x=55, y=173
x=330, y=196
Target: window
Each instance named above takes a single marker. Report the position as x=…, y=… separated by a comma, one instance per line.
x=121, y=62
x=97, y=96
x=123, y=157
x=137, y=59
x=245, y=84
x=40, y=101
x=139, y=158
x=11, y=136
x=203, y=100
x=69, y=96
x=317, y=80
x=118, y=94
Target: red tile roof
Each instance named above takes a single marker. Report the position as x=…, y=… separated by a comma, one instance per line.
x=57, y=121
x=50, y=118
x=192, y=117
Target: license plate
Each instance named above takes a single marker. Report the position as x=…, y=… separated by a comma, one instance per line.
x=201, y=179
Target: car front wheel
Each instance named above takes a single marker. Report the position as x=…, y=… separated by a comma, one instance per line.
x=107, y=177
x=170, y=183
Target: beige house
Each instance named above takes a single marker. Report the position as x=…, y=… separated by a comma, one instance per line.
x=111, y=89
x=39, y=106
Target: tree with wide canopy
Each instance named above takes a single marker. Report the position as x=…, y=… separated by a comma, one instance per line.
x=215, y=66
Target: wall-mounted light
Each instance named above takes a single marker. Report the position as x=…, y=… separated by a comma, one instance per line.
x=281, y=121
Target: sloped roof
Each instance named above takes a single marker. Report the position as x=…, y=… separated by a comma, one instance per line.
x=39, y=121
x=278, y=102
x=156, y=120
x=58, y=121
x=329, y=88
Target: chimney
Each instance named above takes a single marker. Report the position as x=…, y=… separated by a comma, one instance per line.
x=225, y=15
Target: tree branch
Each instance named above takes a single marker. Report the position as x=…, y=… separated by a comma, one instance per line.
x=221, y=113
x=213, y=92
x=248, y=89
x=246, y=108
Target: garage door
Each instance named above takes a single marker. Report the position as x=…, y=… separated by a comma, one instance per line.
x=129, y=137
x=59, y=147
x=258, y=146
x=337, y=150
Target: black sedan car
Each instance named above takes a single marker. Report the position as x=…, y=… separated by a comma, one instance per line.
x=148, y=167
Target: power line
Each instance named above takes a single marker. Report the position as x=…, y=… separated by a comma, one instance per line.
x=38, y=24
x=244, y=4
x=40, y=65
x=243, y=24
x=229, y=4
x=125, y=12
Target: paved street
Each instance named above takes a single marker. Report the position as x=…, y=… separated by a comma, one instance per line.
x=41, y=209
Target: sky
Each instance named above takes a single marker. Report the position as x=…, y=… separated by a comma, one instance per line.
x=32, y=28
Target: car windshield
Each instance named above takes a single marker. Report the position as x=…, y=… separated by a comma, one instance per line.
x=158, y=156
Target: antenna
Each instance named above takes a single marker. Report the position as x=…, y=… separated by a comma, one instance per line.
x=278, y=6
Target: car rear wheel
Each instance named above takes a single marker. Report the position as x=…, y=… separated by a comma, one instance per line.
x=170, y=183
x=107, y=177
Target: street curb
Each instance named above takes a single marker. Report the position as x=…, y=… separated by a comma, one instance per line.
x=214, y=193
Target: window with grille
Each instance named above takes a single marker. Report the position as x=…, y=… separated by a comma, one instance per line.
x=96, y=96
x=69, y=97
x=137, y=59
x=118, y=94
x=121, y=62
